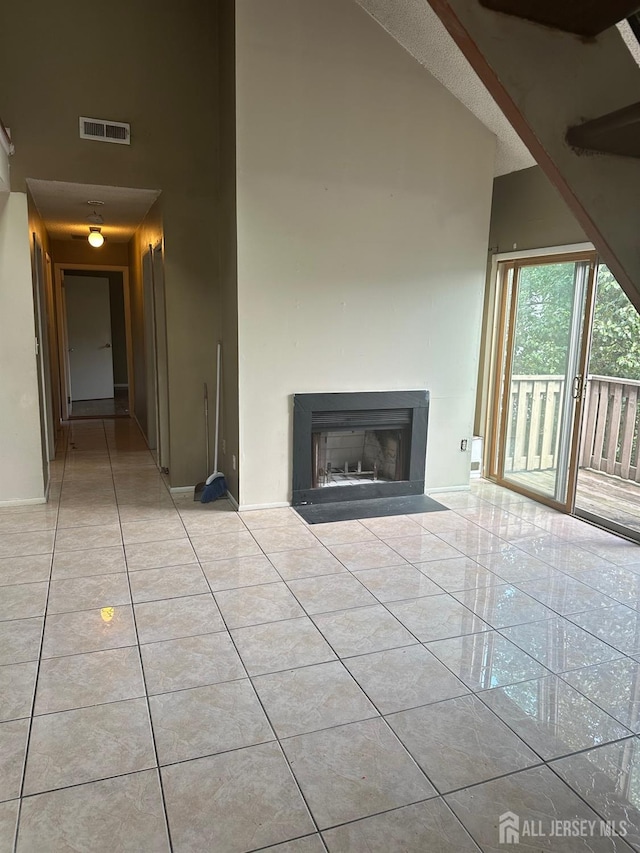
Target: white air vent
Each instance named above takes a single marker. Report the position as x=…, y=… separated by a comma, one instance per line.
x=101, y=130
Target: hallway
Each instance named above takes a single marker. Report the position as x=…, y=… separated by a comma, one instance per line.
x=394, y=684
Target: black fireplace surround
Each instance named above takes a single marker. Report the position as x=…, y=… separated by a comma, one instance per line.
x=341, y=412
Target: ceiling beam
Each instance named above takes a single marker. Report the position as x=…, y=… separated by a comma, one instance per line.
x=507, y=60
x=615, y=133
x=582, y=17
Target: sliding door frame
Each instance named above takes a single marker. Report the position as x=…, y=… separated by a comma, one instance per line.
x=505, y=275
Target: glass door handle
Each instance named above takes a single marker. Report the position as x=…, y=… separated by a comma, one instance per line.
x=578, y=384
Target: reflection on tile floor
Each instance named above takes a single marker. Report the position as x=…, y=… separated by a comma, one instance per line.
x=179, y=677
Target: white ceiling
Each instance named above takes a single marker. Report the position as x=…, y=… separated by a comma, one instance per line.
x=414, y=25
x=65, y=211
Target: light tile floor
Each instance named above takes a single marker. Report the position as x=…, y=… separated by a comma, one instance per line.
x=180, y=677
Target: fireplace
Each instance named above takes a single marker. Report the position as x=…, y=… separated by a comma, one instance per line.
x=353, y=446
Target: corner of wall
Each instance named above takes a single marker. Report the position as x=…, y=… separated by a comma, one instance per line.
x=149, y=232
x=21, y=448
x=228, y=247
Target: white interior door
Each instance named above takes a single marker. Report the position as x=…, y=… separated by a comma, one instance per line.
x=89, y=337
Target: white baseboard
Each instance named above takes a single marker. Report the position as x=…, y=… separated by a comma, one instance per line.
x=24, y=502
x=181, y=490
x=447, y=489
x=233, y=501
x=249, y=507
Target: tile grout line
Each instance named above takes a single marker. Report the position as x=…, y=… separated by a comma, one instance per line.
x=144, y=681
x=418, y=641
x=338, y=660
x=38, y=664
x=268, y=718
x=470, y=692
x=449, y=593
x=381, y=717
x=623, y=655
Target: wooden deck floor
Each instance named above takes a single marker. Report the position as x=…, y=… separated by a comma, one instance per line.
x=609, y=497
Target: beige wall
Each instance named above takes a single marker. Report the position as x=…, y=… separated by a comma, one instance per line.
x=52, y=389
x=363, y=194
x=230, y=427
x=118, y=329
x=149, y=233
x=187, y=228
x=5, y=179
x=161, y=70
x=21, y=472
x=527, y=212
x=162, y=77
x=80, y=252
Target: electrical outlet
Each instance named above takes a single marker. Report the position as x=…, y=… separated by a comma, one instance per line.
x=463, y=445
x=224, y=445
x=233, y=462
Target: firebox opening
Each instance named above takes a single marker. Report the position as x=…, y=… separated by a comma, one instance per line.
x=357, y=456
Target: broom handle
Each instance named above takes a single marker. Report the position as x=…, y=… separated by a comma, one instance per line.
x=206, y=425
x=215, y=449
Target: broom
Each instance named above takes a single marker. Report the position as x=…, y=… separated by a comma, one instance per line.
x=215, y=485
x=199, y=489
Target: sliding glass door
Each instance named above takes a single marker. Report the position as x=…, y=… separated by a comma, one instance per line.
x=608, y=481
x=542, y=353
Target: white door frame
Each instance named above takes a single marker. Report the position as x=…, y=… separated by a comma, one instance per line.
x=63, y=355
x=161, y=353
x=156, y=316
x=152, y=431
x=53, y=343
x=156, y=356
x=42, y=358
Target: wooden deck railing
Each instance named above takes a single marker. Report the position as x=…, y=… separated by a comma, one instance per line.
x=532, y=432
x=611, y=425
x=610, y=433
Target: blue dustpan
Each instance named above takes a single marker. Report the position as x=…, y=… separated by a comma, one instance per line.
x=214, y=488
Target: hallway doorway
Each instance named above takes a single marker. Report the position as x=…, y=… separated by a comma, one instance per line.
x=95, y=336
x=107, y=337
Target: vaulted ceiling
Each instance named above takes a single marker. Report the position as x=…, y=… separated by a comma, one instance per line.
x=414, y=25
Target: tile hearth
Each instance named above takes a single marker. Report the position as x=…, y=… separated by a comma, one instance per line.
x=179, y=677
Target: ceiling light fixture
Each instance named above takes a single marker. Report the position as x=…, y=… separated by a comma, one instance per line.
x=95, y=238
